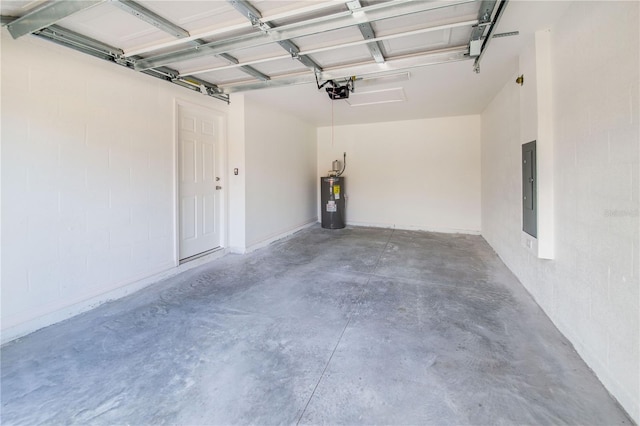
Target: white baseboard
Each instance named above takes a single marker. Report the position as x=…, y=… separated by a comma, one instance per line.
x=53, y=315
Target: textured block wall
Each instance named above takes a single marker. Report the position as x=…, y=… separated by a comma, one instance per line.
x=413, y=174
x=591, y=290
x=87, y=179
x=281, y=171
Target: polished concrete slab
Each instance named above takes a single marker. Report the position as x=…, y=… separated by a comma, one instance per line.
x=352, y=326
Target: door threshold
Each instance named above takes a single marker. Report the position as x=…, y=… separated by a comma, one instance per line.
x=199, y=255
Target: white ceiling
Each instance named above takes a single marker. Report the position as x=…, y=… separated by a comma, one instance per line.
x=444, y=89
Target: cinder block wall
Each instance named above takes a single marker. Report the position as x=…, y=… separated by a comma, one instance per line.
x=413, y=174
x=281, y=169
x=591, y=290
x=87, y=180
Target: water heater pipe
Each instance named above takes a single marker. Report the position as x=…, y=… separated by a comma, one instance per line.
x=344, y=163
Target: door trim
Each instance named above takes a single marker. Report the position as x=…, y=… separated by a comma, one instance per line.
x=222, y=119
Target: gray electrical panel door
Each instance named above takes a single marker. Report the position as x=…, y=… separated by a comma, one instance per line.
x=529, y=199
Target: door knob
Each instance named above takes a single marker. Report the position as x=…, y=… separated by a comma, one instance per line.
x=218, y=187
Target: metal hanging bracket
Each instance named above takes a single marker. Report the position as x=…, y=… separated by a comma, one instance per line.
x=489, y=36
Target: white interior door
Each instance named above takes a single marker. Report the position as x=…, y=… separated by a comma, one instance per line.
x=199, y=180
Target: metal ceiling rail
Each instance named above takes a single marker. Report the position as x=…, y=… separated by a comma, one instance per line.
x=46, y=15
x=167, y=26
x=376, y=12
x=375, y=48
x=228, y=67
x=339, y=46
x=487, y=39
x=68, y=38
x=57, y=32
x=484, y=18
x=254, y=15
x=98, y=49
x=237, y=27
x=364, y=69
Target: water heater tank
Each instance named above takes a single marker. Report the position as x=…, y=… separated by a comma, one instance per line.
x=332, y=202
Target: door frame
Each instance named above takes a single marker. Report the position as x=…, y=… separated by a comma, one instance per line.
x=221, y=119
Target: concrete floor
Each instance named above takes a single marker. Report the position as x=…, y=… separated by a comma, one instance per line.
x=353, y=326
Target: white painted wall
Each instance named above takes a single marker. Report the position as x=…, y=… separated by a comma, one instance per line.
x=280, y=153
x=591, y=290
x=87, y=181
x=536, y=118
x=236, y=183
x=417, y=174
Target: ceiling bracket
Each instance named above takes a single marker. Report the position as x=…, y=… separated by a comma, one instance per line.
x=122, y=60
x=480, y=25
x=259, y=25
x=173, y=76
x=507, y=34
x=376, y=48
x=255, y=21
x=254, y=15
x=485, y=42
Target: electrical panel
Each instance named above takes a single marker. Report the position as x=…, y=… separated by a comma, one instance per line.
x=529, y=193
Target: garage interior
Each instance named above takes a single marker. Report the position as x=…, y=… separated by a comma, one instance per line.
x=165, y=157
